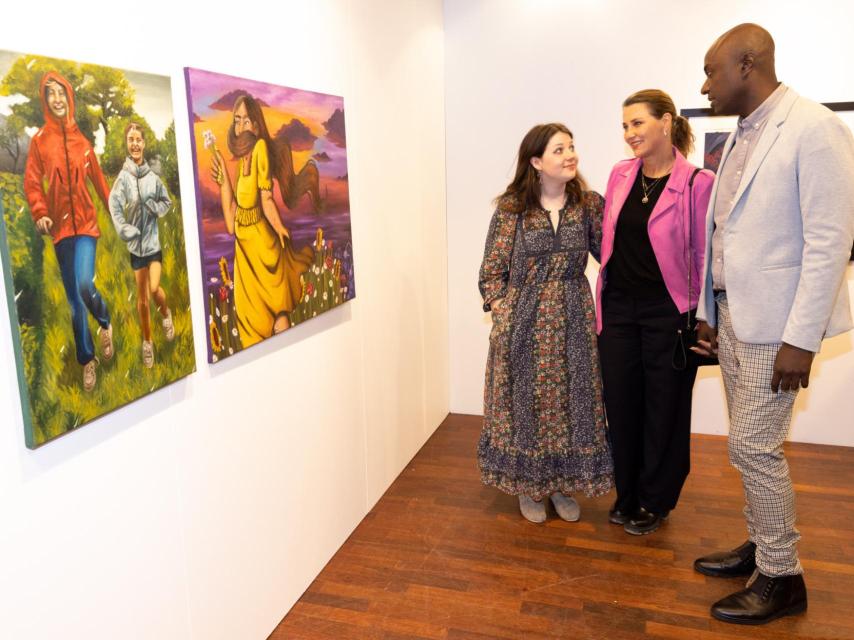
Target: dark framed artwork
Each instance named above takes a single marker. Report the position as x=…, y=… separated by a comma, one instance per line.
x=711, y=133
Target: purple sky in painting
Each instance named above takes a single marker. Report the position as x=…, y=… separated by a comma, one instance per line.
x=208, y=87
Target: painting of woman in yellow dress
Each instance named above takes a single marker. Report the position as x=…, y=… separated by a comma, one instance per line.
x=273, y=205
x=266, y=268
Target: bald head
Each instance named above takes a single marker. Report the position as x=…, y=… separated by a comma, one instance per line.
x=740, y=70
x=749, y=41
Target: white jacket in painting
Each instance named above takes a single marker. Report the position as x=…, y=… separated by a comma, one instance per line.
x=137, y=200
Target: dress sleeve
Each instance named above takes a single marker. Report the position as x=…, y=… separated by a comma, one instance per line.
x=595, y=209
x=495, y=268
x=262, y=165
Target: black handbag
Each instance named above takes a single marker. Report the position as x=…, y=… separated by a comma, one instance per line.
x=686, y=336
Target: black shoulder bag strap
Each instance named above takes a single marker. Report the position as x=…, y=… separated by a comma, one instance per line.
x=685, y=336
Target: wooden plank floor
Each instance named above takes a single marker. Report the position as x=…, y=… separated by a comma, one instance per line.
x=441, y=556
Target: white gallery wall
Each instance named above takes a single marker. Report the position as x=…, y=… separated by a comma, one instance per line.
x=205, y=509
x=512, y=64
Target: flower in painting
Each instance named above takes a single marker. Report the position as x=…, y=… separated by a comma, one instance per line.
x=223, y=294
x=216, y=342
x=210, y=138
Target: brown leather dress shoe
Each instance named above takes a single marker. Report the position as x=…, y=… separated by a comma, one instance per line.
x=766, y=599
x=741, y=561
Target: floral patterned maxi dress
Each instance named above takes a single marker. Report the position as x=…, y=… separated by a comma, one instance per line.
x=544, y=422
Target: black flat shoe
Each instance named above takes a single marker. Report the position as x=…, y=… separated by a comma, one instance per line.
x=617, y=516
x=645, y=522
x=766, y=599
x=741, y=561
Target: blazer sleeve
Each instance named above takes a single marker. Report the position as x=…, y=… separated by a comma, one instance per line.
x=495, y=268
x=825, y=166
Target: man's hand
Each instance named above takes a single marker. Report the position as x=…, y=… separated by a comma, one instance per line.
x=44, y=225
x=791, y=368
x=707, y=340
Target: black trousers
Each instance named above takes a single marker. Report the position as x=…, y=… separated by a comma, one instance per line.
x=647, y=401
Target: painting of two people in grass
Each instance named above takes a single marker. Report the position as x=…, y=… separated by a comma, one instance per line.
x=273, y=203
x=92, y=239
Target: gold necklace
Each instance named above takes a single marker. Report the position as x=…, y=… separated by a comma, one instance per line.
x=648, y=190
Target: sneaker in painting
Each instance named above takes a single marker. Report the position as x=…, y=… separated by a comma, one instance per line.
x=106, y=336
x=168, y=326
x=89, y=376
x=147, y=354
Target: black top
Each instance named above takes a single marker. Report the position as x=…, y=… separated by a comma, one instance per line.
x=632, y=267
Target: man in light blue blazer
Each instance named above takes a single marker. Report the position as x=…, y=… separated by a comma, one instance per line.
x=778, y=238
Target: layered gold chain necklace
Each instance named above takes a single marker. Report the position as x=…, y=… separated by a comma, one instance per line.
x=647, y=189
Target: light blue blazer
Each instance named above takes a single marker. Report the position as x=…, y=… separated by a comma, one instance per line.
x=788, y=239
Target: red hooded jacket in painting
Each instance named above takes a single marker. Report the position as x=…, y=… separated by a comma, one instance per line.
x=63, y=156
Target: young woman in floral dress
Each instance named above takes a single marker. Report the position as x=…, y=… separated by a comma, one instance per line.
x=544, y=429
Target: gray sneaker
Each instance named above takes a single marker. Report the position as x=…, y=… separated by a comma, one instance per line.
x=532, y=510
x=147, y=354
x=89, y=376
x=566, y=506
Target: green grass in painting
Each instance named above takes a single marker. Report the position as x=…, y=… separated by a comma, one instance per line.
x=53, y=376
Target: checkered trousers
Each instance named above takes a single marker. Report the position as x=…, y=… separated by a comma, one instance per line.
x=759, y=421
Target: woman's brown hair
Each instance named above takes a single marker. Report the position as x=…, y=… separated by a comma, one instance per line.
x=524, y=191
x=291, y=186
x=658, y=104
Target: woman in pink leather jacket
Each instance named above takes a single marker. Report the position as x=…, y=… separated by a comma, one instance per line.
x=652, y=244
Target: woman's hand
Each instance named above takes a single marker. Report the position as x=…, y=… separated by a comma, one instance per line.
x=283, y=234
x=218, y=167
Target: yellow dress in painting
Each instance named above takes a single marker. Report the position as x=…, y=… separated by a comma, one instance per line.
x=266, y=275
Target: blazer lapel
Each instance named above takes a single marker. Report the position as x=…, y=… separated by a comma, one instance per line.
x=765, y=142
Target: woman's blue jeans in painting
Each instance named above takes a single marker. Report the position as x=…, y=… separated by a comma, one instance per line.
x=76, y=257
